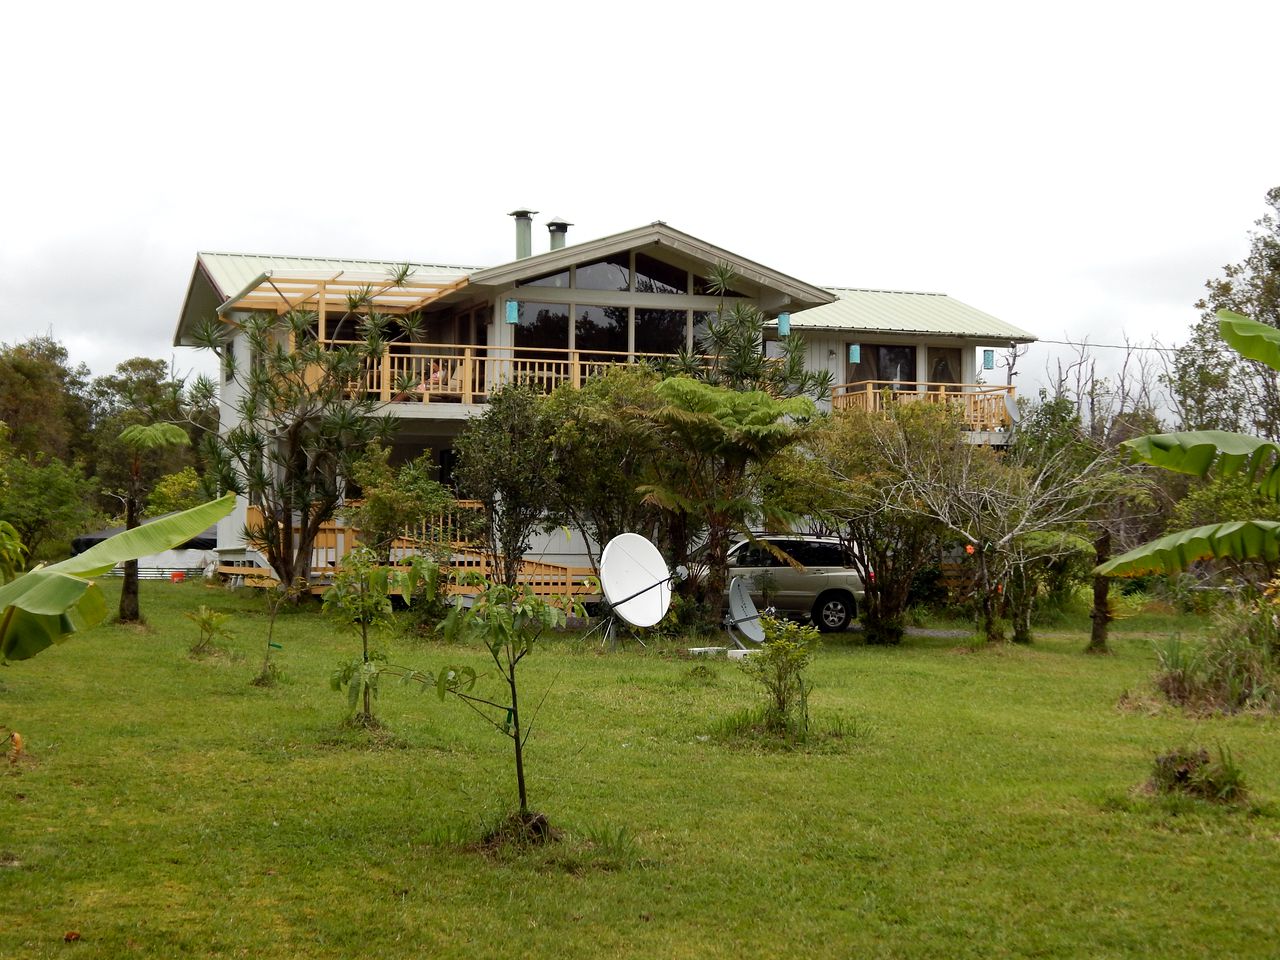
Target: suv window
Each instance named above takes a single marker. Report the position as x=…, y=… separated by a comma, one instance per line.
x=818, y=554
x=750, y=556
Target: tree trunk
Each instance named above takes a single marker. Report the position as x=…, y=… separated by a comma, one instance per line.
x=717, y=573
x=1101, y=613
x=364, y=646
x=989, y=604
x=515, y=736
x=129, y=612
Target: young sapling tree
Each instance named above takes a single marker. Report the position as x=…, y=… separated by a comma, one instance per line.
x=508, y=621
x=269, y=673
x=360, y=598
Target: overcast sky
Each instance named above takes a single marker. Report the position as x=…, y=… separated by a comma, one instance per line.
x=1078, y=170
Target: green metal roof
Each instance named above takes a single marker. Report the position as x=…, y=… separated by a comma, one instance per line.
x=894, y=311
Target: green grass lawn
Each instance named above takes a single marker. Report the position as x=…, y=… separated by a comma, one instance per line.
x=979, y=804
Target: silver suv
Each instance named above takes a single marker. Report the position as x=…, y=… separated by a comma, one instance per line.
x=827, y=589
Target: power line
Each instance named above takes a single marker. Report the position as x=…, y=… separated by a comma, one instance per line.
x=1106, y=346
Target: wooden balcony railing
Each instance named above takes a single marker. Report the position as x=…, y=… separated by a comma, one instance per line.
x=983, y=406
x=462, y=373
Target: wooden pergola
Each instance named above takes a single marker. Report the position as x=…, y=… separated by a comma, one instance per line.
x=277, y=292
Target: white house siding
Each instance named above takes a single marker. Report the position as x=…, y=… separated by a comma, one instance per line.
x=230, y=393
x=564, y=546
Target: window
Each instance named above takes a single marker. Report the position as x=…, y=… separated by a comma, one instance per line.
x=611, y=273
x=894, y=366
x=811, y=554
x=600, y=328
x=654, y=276
x=754, y=556
x=660, y=331
x=944, y=364
x=558, y=280
x=542, y=325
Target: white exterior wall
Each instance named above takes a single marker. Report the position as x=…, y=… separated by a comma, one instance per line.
x=563, y=545
x=230, y=393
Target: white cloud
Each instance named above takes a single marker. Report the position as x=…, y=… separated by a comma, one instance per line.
x=1076, y=170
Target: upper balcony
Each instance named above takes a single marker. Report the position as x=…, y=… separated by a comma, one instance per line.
x=417, y=374
x=985, y=409
x=431, y=376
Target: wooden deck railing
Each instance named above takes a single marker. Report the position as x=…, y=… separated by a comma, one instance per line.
x=982, y=406
x=463, y=373
x=446, y=530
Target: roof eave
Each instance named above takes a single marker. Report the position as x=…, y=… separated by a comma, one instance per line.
x=803, y=295
x=198, y=273
x=979, y=339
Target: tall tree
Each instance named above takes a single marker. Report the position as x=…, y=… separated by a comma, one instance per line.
x=1213, y=386
x=1203, y=453
x=861, y=497
x=713, y=445
x=300, y=426
x=1010, y=509
x=43, y=400
x=505, y=461
x=142, y=442
x=140, y=385
x=47, y=501
x=600, y=450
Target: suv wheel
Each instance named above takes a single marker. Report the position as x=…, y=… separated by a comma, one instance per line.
x=833, y=611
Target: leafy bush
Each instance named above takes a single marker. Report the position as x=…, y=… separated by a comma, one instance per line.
x=212, y=627
x=427, y=605
x=1191, y=772
x=779, y=667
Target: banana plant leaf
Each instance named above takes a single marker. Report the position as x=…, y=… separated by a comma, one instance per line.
x=1198, y=451
x=1249, y=338
x=48, y=604
x=1238, y=540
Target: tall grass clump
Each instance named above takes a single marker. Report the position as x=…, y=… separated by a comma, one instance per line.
x=1235, y=666
x=1190, y=771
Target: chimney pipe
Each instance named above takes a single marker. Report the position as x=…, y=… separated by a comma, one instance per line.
x=559, y=228
x=524, y=232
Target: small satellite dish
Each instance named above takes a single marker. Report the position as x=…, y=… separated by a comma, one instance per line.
x=1011, y=408
x=635, y=580
x=743, y=615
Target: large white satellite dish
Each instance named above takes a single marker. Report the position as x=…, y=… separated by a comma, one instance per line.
x=743, y=616
x=635, y=580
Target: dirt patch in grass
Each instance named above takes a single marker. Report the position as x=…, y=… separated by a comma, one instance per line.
x=528, y=829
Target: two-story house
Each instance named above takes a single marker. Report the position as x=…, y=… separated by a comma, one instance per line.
x=562, y=315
